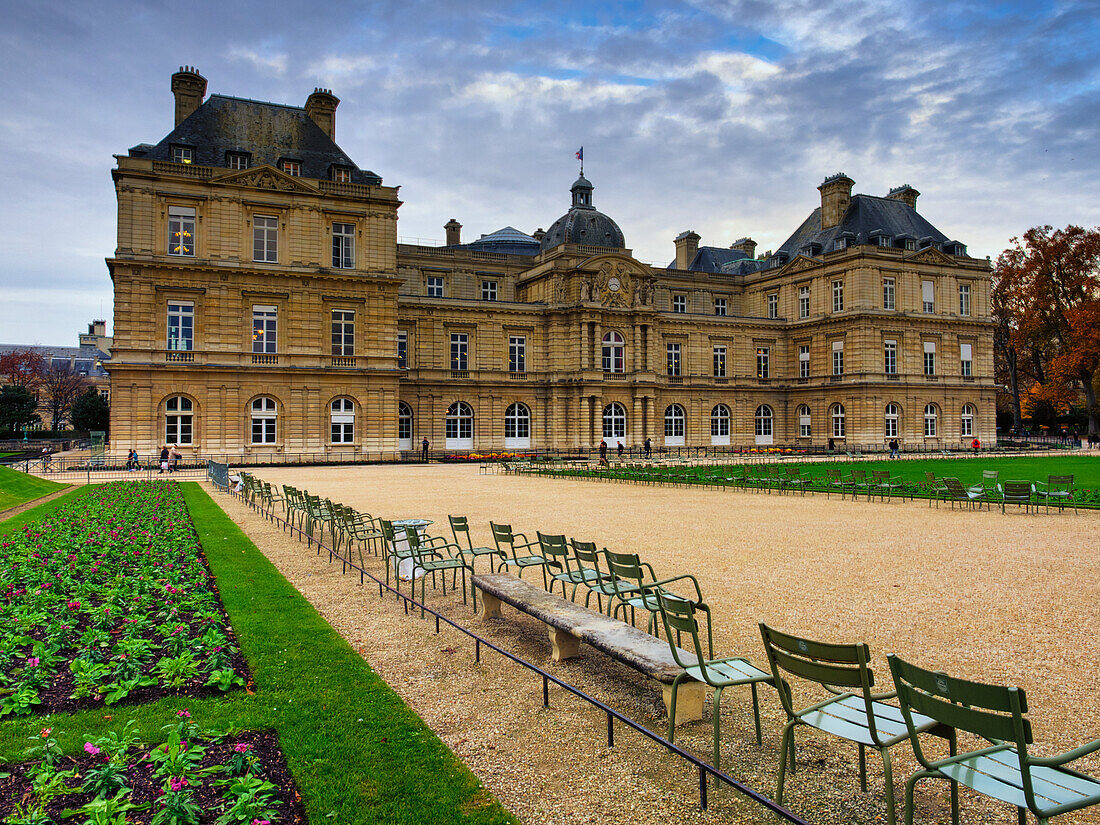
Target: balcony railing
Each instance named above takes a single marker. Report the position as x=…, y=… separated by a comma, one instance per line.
x=721, y=380
x=517, y=376
x=180, y=357
x=189, y=170
x=460, y=373
x=615, y=376
x=264, y=360
x=343, y=361
x=835, y=379
x=892, y=376
x=676, y=379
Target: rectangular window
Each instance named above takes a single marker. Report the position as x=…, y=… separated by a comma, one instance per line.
x=929, y=357
x=803, y=302
x=341, y=174
x=803, y=422
x=343, y=245
x=888, y=293
x=840, y=243
x=236, y=160
x=674, y=364
x=928, y=296
x=720, y=306
x=838, y=358
x=763, y=367
x=343, y=332
x=773, y=305
x=890, y=357
x=181, y=326
x=882, y=240
x=183, y=154
x=719, y=362
x=517, y=353
x=435, y=286
x=265, y=239
x=966, y=355
x=488, y=290
x=402, y=350
x=292, y=168
x=181, y=230
x=838, y=296
x=264, y=328
x=964, y=299
x=460, y=351
x=804, y=361
x=679, y=303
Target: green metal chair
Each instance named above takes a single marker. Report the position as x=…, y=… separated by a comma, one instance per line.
x=461, y=525
x=936, y=488
x=1058, y=489
x=1002, y=768
x=680, y=617
x=519, y=547
x=989, y=488
x=834, y=481
x=556, y=552
x=857, y=482
x=392, y=555
x=428, y=555
x=954, y=491
x=588, y=563
x=884, y=484
x=794, y=480
x=1018, y=493
x=636, y=586
x=850, y=711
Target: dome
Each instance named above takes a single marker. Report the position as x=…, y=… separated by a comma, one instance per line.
x=583, y=224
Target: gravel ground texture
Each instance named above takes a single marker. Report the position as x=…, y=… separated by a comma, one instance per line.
x=1006, y=599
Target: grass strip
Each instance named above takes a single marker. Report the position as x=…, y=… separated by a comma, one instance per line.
x=18, y=488
x=42, y=511
x=358, y=753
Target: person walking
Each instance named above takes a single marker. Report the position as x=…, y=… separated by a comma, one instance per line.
x=174, y=456
x=163, y=460
x=603, y=454
x=620, y=450
x=893, y=448
x=424, y=449
x=648, y=447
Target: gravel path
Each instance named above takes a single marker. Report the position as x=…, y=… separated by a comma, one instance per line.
x=1003, y=598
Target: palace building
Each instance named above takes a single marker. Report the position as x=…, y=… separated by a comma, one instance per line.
x=264, y=305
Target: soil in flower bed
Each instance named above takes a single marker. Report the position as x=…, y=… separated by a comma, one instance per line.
x=147, y=785
x=108, y=601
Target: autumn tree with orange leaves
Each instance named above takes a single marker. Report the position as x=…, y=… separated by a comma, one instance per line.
x=1046, y=308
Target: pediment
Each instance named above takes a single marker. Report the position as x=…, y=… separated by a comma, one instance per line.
x=800, y=263
x=266, y=177
x=931, y=255
x=623, y=264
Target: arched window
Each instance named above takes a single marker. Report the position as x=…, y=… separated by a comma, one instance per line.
x=764, y=420
x=720, y=425
x=264, y=412
x=930, y=416
x=893, y=414
x=803, y=421
x=517, y=426
x=614, y=422
x=404, y=426
x=837, y=414
x=179, y=420
x=674, y=425
x=613, y=353
x=342, y=419
x=460, y=426
x=967, y=429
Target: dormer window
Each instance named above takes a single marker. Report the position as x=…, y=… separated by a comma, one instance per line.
x=340, y=174
x=811, y=249
x=183, y=154
x=954, y=248
x=291, y=167
x=907, y=242
x=880, y=238
x=840, y=243
x=237, y=160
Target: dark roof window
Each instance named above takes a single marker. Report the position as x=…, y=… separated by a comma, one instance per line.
x=292, y=166
x=238, y=160
x=183, y=154
x=810, y=249
x=340, y=173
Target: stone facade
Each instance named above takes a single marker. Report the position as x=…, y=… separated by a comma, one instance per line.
x=509, y=342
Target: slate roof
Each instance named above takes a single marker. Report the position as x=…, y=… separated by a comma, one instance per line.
x=509, y=241
x=866, y=213
x=721, y=259
x=267, y=131
x=81, y=359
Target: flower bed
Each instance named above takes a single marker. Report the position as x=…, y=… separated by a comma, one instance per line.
x=192, y=777
x=108, y=600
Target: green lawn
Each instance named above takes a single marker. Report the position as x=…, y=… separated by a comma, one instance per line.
x=359, y=754
x=1084, y=469
x=17, y=488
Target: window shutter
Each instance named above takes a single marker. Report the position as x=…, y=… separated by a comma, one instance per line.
x=965, y=351
x=929, y=346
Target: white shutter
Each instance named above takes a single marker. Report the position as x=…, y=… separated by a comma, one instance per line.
x=182, y=211
x=889, y=343
x=838, y=346
x=929, y=346
x=965, y=351
x=927, y=292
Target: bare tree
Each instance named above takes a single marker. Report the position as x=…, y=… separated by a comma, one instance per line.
x=21, y=367
x=60, y=388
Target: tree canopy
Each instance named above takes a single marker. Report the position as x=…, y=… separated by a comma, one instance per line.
x=18, y=409
x=90, y=412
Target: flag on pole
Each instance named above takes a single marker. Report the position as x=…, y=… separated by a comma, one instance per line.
x=580, y=153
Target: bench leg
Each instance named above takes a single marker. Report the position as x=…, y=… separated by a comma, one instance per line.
x=565, y=645
x=490, y=606
x=689, y=700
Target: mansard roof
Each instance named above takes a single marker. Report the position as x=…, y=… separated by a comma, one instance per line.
x=721, y=259
x=268, y=132
x=508, y=240
x=865, y=215
x=85, y=360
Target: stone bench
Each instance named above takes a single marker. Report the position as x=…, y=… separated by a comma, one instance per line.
x=568, y=624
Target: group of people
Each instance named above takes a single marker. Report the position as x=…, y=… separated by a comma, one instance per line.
x=169, y=458
x=647, y=446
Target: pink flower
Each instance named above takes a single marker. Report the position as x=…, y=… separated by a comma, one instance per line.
x=242, y=747
x=177, y=784
x=46, y=733
x=90, y=748
x=185, y=713
x=260, y=822
x=32, y=661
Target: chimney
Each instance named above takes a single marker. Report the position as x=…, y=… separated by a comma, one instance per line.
x=687, y=244
x=97, y=327
x=454, y=232
x=836, y=194
x=904, y=193
x=189, y=88
x=746, y=245
x=321, y=109
x=539, y=234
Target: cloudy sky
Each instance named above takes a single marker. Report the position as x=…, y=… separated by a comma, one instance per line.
x=722, y=117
